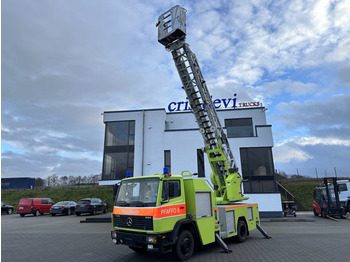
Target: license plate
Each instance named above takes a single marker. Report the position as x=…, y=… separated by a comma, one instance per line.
x=55, y=207
x=20, y=208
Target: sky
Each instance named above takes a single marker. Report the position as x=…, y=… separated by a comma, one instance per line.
x=63, y=63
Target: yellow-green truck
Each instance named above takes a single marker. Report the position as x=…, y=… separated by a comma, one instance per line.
x=177, y=212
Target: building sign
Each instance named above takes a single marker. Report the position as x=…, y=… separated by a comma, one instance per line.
x=218, y=103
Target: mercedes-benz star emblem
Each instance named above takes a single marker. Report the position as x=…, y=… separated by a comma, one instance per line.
x=129, y=221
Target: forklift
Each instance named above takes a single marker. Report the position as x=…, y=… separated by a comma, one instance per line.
x=326, y=199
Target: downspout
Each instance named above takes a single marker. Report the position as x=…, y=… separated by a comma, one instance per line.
x=143, y=140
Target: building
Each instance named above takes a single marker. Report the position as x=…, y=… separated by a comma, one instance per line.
x=145, y=141
x=17, y=183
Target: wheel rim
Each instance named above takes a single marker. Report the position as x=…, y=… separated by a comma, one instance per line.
x=9, y=211
x=185, y=246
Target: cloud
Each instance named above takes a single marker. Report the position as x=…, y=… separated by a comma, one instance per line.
x=64, y=63
x=285, y=153
x=329, y=118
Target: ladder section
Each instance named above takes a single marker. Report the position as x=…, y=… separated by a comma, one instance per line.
x=201, y=102
x=204, y=111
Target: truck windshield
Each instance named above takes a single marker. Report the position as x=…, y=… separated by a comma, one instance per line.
x=138, y=192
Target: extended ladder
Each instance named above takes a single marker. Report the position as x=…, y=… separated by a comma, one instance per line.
x=172, y=34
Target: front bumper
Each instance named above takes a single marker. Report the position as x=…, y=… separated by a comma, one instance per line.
x=141, y=240
x=58, y=211
x=88, y=209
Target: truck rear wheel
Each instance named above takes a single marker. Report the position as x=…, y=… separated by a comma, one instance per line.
x=184, y=245
x=242, y=231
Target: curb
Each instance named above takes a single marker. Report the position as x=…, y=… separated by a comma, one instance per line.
x=97, y=220
x=286, y=219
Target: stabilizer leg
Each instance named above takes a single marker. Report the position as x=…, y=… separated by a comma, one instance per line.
x=222, y=244
x=262, y=231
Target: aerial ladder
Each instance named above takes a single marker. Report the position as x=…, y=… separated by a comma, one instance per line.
x=225, y=177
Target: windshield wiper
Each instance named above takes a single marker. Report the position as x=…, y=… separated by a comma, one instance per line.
x=122, y=203
x=138, y=203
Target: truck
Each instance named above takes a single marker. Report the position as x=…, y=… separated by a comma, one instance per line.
x=176, y=212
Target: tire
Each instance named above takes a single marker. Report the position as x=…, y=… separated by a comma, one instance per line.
x=348, y=207
x=69, y=212
x=105, y=210
x=323, y=213
x=184, y=246
x=242, y=231
x=93, y=212
x=53, y=215
x=9, y=211
x=77, y=214
x=22, y=215
x=37, y=213
x=315, y=213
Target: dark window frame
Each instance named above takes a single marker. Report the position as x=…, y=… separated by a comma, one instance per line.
x=123, y=151
x=258, y=183
x=167, y=159
x=239, y=127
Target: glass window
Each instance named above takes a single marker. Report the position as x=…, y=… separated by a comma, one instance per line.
x=118, y=150
x=171, y=189
x=44, y=201
x=200, y=163
x=138, y=192
x=257, y=170
x=342, y=187
x=167, y=159
x=239, y=127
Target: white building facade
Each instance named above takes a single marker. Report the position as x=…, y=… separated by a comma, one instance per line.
x=143, y=142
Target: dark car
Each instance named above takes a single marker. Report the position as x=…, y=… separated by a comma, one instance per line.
x=90, y=205
x=63, y=207
x=6, y=208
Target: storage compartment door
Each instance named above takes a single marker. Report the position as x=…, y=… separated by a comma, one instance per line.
x=204, y=218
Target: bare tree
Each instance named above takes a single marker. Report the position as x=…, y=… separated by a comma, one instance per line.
x=63, y=180
x=39, y=182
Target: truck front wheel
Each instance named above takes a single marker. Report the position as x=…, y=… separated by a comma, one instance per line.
x=242, y=231
x=184, y=246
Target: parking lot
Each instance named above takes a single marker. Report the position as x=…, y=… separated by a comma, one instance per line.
x=64, y=238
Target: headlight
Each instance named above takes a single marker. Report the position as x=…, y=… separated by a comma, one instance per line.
x=151, y=240
x=113, y=235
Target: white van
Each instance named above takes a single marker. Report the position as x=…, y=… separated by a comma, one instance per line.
x=344, y=193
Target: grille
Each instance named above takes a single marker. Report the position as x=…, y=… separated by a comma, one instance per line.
x=134, y=222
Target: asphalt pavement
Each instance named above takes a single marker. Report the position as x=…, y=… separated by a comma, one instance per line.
x=64, y=238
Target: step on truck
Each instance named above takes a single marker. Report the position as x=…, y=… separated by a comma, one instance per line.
x=177, y=212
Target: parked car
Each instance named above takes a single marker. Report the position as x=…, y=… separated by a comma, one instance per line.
x=90, y=205
x=35, y=206
x=6, y=208
x=63, y=207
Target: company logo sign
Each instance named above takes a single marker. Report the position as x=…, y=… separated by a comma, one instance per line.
x=218, y=103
